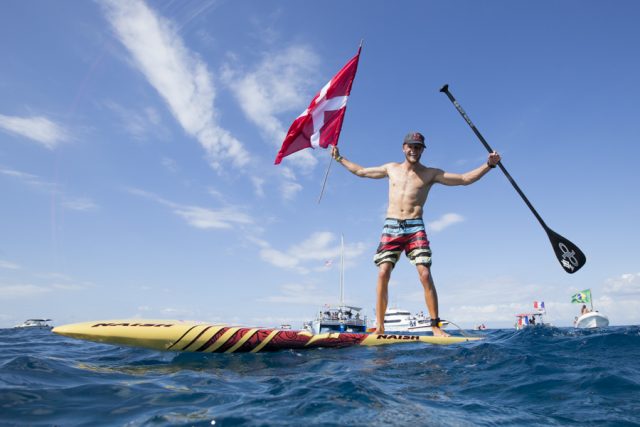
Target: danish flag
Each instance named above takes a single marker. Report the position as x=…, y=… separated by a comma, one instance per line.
x=320, y=124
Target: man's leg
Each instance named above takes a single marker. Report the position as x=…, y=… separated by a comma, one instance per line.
x=384, y=274
x=430, y=296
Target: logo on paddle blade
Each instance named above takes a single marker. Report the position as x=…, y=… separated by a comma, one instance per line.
x=569, y=260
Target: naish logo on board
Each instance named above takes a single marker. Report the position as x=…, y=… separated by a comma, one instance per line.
x=399, y=337
x=144, y=325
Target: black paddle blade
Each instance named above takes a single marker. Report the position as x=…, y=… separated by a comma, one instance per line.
x=570, y=256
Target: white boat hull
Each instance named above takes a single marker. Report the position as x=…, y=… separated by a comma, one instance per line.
x=414, y=329
x=592, y=320
x=400, y=321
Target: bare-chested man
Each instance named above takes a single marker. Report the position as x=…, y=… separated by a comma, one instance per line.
x=409, y=185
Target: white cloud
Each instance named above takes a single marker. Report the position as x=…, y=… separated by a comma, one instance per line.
x=22, y=291
x=310, y=254
x=258, y=185
x=70, y=286
x=289, y=186
x=29, y=179
x=67, y=202
x=141, y=125
x=61, y=282
x=316, y=247
x=280, y=83
x=289, y=189
x=170, y=164
x=492, y=315
x=444, y=221
x=625, y=284
x=39, y=129
x=199, y=217
x=279, y=259
x=59, y=277
x=209, y=218
x=180, y=76
x=177, y=312
x=79, y=204
x=299, y=294
x=9, y=265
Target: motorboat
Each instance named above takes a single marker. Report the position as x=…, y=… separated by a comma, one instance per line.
x=398, y=320
x=35, y=323
x=588, y=318
x=340, y=317
x=525, y=320
x=591, y=319
x=536, y=318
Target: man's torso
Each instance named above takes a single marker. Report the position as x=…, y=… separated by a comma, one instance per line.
x=408, y=189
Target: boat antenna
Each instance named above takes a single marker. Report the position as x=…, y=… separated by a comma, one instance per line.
x=341, y=269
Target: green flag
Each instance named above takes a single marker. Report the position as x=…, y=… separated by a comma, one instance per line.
x=582, y=297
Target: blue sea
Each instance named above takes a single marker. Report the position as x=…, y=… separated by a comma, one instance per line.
x=539, y=376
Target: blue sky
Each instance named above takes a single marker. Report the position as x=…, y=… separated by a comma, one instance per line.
x=137, y=142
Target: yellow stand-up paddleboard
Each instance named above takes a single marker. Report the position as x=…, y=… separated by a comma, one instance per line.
x=189, y=336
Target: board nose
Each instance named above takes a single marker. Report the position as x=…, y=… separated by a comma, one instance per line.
x=63, y=330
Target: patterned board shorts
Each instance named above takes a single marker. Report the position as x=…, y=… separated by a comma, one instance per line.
x=408, y=235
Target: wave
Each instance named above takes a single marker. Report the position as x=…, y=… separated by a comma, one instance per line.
x=536, y=376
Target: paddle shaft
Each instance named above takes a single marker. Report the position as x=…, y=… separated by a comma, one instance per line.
x=445, y=90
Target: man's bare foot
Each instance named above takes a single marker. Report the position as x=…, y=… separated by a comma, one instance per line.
x=379, y=331
x=437, y=332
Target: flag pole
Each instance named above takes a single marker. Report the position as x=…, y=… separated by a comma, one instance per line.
x=326, y=175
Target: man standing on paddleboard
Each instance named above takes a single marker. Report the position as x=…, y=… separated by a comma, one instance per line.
x=409, y=185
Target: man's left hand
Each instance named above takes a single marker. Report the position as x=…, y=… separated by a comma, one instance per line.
x=494, y=159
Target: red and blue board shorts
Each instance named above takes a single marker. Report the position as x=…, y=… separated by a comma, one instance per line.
x=406, y=235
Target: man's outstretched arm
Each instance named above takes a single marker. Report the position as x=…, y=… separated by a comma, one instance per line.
x=470, y=177
x=376, y=172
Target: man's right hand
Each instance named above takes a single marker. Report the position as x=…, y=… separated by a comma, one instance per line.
x=335, y=152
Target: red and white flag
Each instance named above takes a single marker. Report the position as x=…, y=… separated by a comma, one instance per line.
x=320, y=124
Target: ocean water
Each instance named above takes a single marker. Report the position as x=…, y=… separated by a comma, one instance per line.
x=535, y=377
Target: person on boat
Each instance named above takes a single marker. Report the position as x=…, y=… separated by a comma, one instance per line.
x=409, y=185
x=584, y=309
